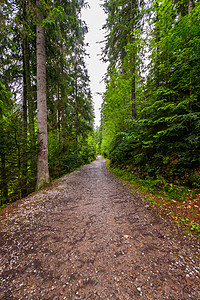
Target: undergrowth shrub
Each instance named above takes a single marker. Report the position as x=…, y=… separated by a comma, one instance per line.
x=63, y=160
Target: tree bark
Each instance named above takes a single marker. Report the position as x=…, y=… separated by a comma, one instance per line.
x=24, y=131
x=190, y=6
x=4, y=183
x=30, y=104
x=42, y=160
x=62, y=108
x=183, y=7
x=58, y=114
x=133, y=68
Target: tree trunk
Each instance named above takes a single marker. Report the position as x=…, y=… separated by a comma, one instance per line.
x=42, y=160
x=58, y=114
x=30, y=105
x=20, y=182
x=4, y=183
x=133, y=97
x=183, y=7
x=24, y=131
x=62, y=108
x=190, y=6
x=76, y=103
x=133, y=68
x=63, y=119
x=157, y=61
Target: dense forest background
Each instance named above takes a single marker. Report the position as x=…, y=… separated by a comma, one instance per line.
x=68, y=99
x=151, y=109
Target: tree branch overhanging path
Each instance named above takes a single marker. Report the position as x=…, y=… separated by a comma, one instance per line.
x=88, y=236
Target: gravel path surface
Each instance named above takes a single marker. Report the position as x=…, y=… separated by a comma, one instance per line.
x=89, y=237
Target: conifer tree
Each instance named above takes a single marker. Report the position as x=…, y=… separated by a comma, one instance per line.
x=42, y=160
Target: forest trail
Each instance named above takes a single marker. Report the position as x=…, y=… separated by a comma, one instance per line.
x=88, y=236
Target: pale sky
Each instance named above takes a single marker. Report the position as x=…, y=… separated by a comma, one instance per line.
x=95, y=19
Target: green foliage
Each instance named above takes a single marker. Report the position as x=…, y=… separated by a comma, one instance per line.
x=87, y=152
x=163, y=141
x=11, y=159
x=75, y=154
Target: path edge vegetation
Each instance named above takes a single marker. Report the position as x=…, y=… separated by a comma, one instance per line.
x=160, y=200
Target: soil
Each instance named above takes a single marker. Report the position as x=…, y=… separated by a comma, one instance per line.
x=88, y=236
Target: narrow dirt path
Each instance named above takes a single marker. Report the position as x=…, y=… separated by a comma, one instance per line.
x=89, y=237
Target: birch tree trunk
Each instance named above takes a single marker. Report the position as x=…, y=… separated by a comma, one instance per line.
x=42, y=160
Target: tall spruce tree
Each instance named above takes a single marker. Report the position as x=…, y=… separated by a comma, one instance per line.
x=42, y=160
